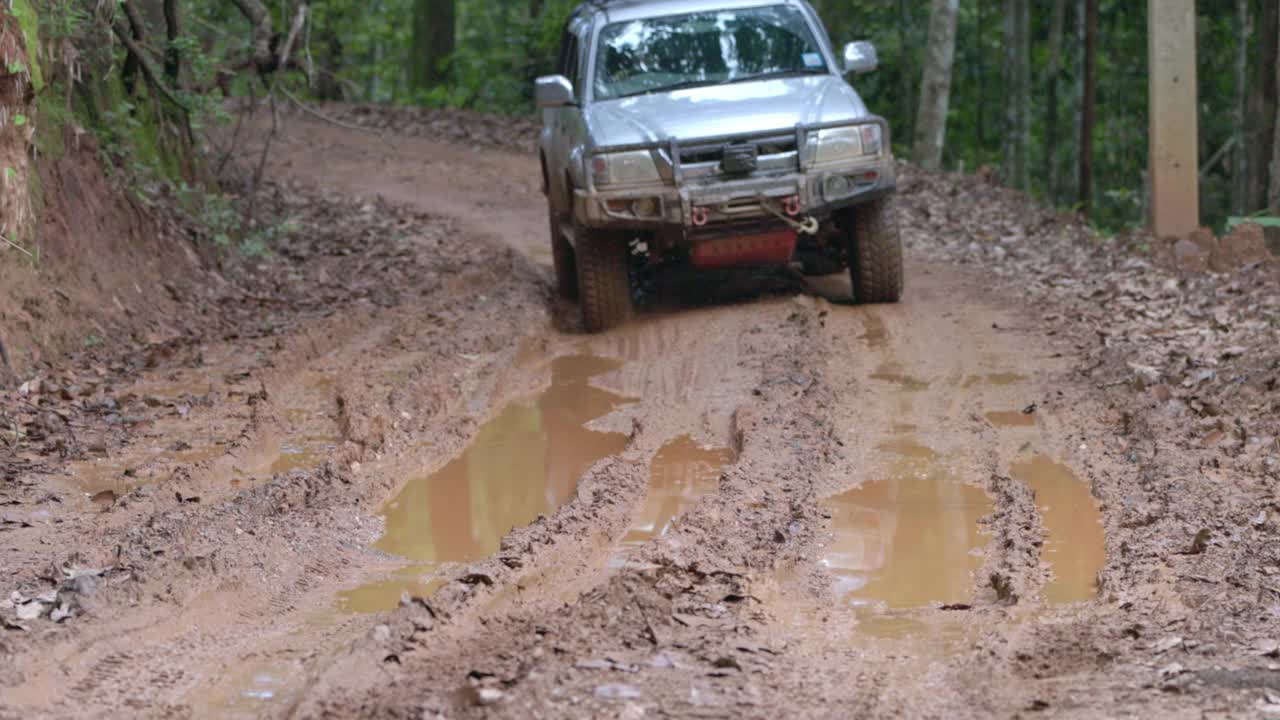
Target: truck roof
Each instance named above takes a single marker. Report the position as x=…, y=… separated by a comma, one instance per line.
x=623, y=10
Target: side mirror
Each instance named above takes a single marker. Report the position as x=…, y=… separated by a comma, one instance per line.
x=553, y=91
x=860, y=57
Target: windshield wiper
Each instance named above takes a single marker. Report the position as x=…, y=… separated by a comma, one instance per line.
x=684, y=85
x=778, y=74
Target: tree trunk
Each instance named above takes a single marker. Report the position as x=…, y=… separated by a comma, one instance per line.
x=1261, y=107
x=981, y=51
x=935, y=89
x=262, y=34
x=1017, y=50
x=908, y=73
x=173, y=31
x=1054, y=71
x=1240, y=155
x=1273, y=198
x=1088, y=106
x=434, y=24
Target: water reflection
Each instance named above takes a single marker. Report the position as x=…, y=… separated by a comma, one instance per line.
x=1074, y=546
x=909, y=539
x=681, y=473
x=524, y=463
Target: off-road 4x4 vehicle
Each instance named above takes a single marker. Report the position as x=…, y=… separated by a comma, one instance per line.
x=717, y=132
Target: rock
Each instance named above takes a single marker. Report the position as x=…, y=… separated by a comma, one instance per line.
x=381, y=633
x=489, y=696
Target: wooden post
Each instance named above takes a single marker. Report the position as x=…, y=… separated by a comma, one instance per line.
x=1175, y=186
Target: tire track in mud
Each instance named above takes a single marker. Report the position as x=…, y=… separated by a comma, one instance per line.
x=686, y=589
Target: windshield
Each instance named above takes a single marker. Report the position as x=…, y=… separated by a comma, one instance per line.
x=706, y=48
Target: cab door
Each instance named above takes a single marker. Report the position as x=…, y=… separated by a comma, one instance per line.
x=567, y=132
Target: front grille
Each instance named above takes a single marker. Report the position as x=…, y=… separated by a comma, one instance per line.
x=696, y=154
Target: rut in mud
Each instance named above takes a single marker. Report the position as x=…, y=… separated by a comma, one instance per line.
x=398, y=482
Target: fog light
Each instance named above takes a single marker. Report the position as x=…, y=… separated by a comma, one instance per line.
x=837, y=186
x=644, y=207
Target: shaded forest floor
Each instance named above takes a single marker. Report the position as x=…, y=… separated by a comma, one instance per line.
x=194, y=521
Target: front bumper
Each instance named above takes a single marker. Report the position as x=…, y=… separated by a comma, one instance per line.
x=717, y=200
x=692, y=197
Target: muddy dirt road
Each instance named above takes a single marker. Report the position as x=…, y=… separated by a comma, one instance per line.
x=425, y=494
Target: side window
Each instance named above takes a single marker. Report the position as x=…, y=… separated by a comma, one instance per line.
x=566, y=42
x=569, y=61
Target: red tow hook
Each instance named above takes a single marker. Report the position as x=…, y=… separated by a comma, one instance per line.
x=699, y=216
x=791, y=205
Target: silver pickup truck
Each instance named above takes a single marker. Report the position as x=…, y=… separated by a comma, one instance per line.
x=714, y=132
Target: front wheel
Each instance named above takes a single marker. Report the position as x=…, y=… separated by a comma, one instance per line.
x=604, y=284
x=875, y=253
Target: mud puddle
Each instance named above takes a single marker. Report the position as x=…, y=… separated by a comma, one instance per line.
x=260, y=686
x=910, y=539
x=385, y=594
x=523, y=463
x=1074, y=547
x=893, y=373
x=1011, y=418
x=682, y=472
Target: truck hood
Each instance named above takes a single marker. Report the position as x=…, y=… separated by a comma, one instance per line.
x=718, y=110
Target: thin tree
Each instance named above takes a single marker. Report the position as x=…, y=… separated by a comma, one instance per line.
x=935, y=88
x=434, y=40
x=1240, y=120
x=1053, y=71
x=1273, y=200
x=1088, y=106
x=1017, y=75
x=1260, y=107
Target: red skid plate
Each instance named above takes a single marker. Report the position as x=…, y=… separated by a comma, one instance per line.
x=770, y=248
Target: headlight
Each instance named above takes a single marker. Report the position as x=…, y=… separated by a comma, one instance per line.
x=847, y=143
x=624, y=168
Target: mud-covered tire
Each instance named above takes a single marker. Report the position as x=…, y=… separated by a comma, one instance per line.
x=604, y=285
x=875, y=253
x=562, y=258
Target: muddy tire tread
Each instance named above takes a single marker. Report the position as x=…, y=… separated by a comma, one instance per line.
x=562, y=258
x=875, y=266
x=604, y=285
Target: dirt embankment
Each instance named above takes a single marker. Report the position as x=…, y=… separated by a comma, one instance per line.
x=1044, y=484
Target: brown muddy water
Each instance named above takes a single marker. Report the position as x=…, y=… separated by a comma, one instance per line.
x=523, y=463
x=909, y=539
x=1074, y=547
x=682, y=472
x=1011, y=418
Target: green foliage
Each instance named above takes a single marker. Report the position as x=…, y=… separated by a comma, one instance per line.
x=30, y=24
x=215, y=213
